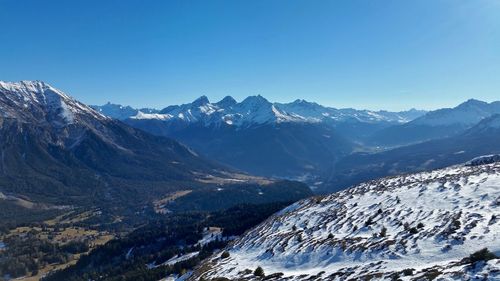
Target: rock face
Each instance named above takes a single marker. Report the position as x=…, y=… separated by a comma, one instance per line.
x=409, y=227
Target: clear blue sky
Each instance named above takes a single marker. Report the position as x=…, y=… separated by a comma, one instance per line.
x=364, y=54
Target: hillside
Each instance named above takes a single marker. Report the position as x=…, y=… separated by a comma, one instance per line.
x=423, y=225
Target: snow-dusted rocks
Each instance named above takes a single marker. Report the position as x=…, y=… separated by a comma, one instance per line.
x=409, y=226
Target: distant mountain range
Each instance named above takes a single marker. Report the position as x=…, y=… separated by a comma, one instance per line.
x=254, y=110
x=295, y=140
x=437, y=124
x=481, y=139
x=328, y=148
x=58, y=152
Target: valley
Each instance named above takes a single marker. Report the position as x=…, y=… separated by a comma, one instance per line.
x=284, y=140
x=79, y=188
x=327, y=148
x=72, y=180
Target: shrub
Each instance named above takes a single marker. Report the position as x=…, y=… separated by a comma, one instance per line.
x=408, y=271
x=482, y=255
x=413, y=230
x=383, y=232
x=420, y=225
x=259, y=272
x=406, y=226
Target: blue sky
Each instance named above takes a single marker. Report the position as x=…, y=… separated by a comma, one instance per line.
x=364, y=54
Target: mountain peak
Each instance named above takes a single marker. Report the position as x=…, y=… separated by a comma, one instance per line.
x=256, y=100
x=25, y=85
x=29, y=100
x=472, y=102
x=300, y=101
x=203, y=100
x=227, y=101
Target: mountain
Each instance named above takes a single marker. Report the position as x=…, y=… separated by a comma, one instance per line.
x=120, y=112
x=255, y=110
x=297, y=140
x=411, y=227
x=481, y=139
x=57, y=151
x=437, y=124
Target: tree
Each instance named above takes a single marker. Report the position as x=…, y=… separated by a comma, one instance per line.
x=383, y=232
x=259, y=272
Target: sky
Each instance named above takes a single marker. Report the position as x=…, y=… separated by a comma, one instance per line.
x=385, y=54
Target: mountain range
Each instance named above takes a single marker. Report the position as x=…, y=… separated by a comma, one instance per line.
x=188, y=170
x=59, y=153
x=254, y=110
x=297, y=140
x=327, y=148
x=481, y=139
x=438, y=124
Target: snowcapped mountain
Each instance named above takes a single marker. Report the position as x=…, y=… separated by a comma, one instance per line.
x=56, y=150
x=410, y=227
x=256, y=110
x=437, y=124
x=297, y=140
x=38, y=102
x=120, y=112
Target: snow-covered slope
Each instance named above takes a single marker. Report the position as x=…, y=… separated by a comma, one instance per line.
x=256, y=110
x=36, y=101
x=428, y=222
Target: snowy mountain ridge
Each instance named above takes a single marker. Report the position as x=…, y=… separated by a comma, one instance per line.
x=255, y=110
x=408, y=227
x=42, y=103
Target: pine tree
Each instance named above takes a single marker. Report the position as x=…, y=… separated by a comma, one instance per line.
x=259, y=272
